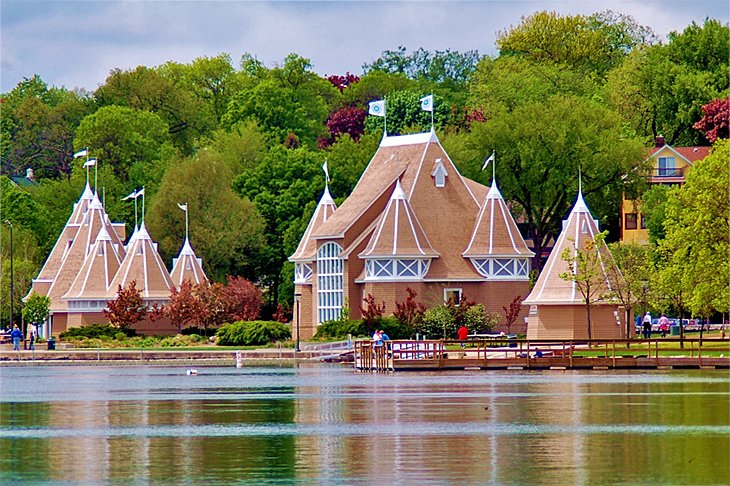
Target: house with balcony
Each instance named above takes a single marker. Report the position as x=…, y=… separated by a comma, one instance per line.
x=669, y=167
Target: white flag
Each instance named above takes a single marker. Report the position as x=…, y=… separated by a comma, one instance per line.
x=90, y=163
x=326, y=172
x=139, y=193
x=184, y=207
x=133, y=195
x=490, y=159
x=377, y=108
x=427, y=103
x=81, y=153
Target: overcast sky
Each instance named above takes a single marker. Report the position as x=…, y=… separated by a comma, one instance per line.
x=76, y=43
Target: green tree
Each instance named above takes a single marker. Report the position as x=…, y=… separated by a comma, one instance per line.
x=124, y=138
x=404, y=114
x=586, y=271
x=225, y=230
x=439, y=66
x=697, y=228
x=281, y=187
x=660, y=90
x=539, y=147
x=593, y=43
x=653, y=210
x=146, y=89
x=36, y=308
x=288, y=101
x=629, y=275
x=37, y=128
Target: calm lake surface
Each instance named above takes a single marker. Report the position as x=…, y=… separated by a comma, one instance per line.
x=327, y=424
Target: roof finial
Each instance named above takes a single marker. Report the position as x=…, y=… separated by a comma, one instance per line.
x=580, y=181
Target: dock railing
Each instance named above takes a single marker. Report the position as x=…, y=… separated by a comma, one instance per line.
x=507, y=352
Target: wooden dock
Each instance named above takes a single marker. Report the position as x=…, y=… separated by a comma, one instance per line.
x=504, y=354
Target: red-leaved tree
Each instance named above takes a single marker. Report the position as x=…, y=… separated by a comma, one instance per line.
x=128, y=308
x=409, y=312
x=716, y=122
x=512, y=312
x=372, y=313
x=343, y=82
x=349, y=119
x=183, y=308
x=212, y=306
x=242, y=299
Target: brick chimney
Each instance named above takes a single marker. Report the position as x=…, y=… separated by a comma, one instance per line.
x=660, y=141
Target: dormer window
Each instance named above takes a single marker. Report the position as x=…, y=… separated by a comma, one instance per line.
x=667, y=167
x=439, y=174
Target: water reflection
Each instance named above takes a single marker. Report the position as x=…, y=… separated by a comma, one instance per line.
x=321, y=423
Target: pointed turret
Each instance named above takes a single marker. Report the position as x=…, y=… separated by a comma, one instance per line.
x=307, y=249
x=399, y=233
x=143, y=265
x=98, y=270
x=495, y=232
x=75, y=255
x=187, y=266
x=557, y=305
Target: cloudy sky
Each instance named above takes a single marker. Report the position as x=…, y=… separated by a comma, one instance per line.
x=75, y=43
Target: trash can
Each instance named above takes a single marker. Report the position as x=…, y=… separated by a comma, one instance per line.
x=51, y=344
x=674, y=331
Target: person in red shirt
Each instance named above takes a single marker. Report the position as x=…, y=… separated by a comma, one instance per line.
x=463, y=334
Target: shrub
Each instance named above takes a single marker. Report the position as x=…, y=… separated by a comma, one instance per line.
x=478, y=320
x=395, y=329
x=340, y=329
x=252, y=333
x=438, y=323
x=120, y=336
x=372, y=314
x=94, y=331
x=410, y=312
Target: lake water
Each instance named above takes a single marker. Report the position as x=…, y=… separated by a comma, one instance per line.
x=328, y=424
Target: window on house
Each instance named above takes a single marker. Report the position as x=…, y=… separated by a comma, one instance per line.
x=667, y=167
x=630, y=221
x=439, y=174
x=452, y=295
x=302, y=273
x=330, y=293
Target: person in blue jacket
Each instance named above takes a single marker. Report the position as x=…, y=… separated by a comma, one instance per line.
x=17, y=336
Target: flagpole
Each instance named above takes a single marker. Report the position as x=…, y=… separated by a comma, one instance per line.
x=432, y=109
x=494, y=167
x=186, y=221
x=385, y=117
x=135, y=214
x=96, y=176
x=143, y=196
x=103, y=198
x=87, y=165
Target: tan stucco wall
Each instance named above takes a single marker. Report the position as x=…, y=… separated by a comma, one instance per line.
x=569, y=322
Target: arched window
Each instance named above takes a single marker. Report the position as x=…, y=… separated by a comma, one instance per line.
x=330, y=295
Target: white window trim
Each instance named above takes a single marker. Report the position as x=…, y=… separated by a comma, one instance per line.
x=302, y=273
x=394, y=269
x=488, y=268
x=455, y=290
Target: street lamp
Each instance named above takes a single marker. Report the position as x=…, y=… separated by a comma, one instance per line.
x=12, y=277
x=298, y=299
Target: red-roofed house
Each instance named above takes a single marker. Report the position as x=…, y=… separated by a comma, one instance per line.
x=670, y=166
x=411, y=221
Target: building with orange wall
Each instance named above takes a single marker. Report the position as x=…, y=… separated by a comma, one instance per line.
x=412, y=221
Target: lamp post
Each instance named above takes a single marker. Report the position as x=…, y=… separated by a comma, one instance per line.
x=298, y=299
x=12, y=277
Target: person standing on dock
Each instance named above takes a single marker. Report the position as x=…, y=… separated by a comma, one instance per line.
x=463, y=334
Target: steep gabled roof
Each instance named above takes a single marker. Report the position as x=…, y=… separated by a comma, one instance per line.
x=550, y=288
x=307, y=249
x=399, y=234
x=55, y=258
x=446, y=214
x=187, y=266
x=143, y=265
x=495, y=232
x=98, y=270
x=94, y=219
